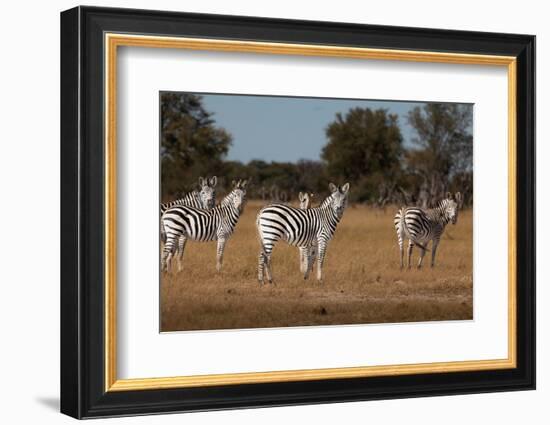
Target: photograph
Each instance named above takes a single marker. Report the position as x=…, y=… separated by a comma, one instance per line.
x=284, y=211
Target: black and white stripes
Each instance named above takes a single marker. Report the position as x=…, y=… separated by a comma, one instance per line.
x=420, y=226
x=182, y=222
x=299, y=227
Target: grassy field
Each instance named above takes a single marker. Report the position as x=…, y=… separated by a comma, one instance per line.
x=362, y=279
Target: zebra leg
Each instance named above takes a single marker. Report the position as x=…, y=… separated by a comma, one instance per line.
x=181, y=246
x=322, y=246
x=219, y=253
x=268, y=268
x=261, y=267
x=264, y=263
x=400, y=237
x=305, y=265
x=435, y=243
x=167, y=253
x=422, y=253
x=303, y=259
x=409, y=253
x=401, y=252
x=311, y=255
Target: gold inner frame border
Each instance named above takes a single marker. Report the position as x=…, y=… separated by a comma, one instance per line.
x=111, y=43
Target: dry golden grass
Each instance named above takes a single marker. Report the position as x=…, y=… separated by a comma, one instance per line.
x=362, y=279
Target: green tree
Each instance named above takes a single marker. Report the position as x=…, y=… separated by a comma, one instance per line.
x=311, y=177
x=191, y=144
x=443, y=148
x=364, y=147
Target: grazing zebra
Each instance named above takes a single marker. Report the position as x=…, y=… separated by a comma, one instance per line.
x=205, y=198
x=182, y=222
x=307, y=254
x=421, y=226
x=301, y=228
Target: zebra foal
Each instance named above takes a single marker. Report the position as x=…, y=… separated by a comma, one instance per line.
x=420, y=226
x=182, y=222
x=300, y=227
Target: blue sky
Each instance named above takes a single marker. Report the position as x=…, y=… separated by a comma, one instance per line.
x=287, y=128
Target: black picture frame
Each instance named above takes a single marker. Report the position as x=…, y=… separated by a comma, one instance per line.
x=83, y=392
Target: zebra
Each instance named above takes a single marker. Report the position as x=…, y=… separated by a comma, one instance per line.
x=205, y=198
x=301, y=228
x=421, y=226
x=182, y=222
x=307, y=254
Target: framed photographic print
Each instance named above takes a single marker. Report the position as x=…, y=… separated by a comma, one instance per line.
x=261, y=212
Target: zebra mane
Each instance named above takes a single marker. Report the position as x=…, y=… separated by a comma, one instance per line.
x=227, y=198
x=194, y=195
x=326, y=201
x=226, y=201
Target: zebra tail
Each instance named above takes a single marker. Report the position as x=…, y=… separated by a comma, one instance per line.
x=406, y=230
x=162, y=231
x=402, y=221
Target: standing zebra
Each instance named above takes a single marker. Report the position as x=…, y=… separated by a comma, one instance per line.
x=205, y=198
x=307, y=254
x=301, y=228
x=421, y=226
x=183, y=222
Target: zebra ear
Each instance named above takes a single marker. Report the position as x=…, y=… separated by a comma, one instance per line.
x=332, y=187
x=244, y=184
x=213, y=181
x=345, y=188
x=301, y=196
x=202, y=182
x=449, y=195
x=233, y=183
